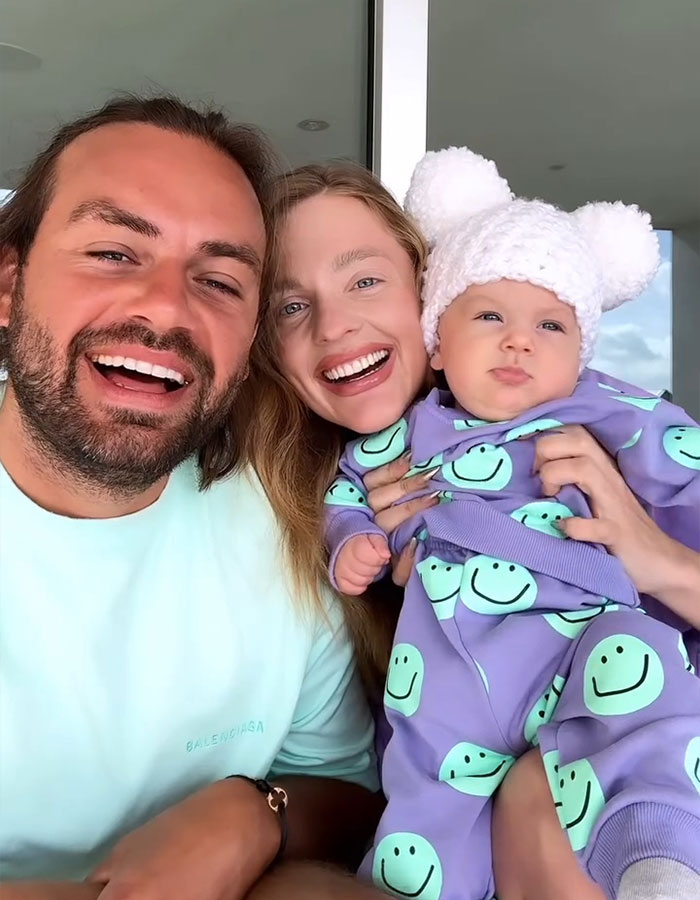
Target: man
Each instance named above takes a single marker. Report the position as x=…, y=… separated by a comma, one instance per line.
x=150, y=643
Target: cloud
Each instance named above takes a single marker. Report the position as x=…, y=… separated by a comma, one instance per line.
x=628, y=352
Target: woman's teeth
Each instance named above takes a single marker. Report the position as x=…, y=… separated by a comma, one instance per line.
x=355, y=366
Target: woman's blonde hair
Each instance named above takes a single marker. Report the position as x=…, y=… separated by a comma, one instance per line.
x=294, y=451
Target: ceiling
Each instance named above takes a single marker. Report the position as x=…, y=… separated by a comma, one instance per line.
x=609, y=89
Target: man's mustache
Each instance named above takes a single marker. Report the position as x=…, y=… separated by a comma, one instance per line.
x=177, y=340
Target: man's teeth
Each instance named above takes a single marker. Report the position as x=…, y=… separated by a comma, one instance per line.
x=355, y=366
x=139, y=365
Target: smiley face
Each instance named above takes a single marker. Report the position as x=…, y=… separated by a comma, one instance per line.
x=571, y=624
x=474, y=770
x=533, y=427
x=543, y=710
x=404, y=680
x=383, y=447
x=484, y=467
x=495, y=587
x=689, y=667
x=441, y=581
x=682, y=444
x=542, y=516
x=466, y=424
x=692, y=762
x=408, y=866
x=432, y=463
x=344, y=493
x=646, y=403
x=578, y=797
x=622, y=675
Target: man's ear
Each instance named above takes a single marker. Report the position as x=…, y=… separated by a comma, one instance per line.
x=9, y=273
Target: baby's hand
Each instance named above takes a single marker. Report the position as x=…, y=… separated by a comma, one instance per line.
x=359, y=562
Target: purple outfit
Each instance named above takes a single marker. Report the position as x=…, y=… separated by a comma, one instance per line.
x=511, y=635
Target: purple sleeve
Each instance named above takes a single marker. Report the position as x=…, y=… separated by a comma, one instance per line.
x=346, y=511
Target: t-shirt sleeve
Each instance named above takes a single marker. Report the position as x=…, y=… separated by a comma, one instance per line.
x=332, y=731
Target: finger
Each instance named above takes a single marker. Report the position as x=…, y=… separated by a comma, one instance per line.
x=593, y=531
x=403, y=564
x=367, y=554
x=391, y=518
x=389, y=473
x=569, y=441
x=581, y=471
x=380, y=546
x=383, y=497
x=350, y=585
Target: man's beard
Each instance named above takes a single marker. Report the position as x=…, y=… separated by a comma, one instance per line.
x=122, y=451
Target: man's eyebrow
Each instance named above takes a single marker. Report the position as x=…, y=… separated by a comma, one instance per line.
x=353, y=256
x=105, y=211
x=242, y=252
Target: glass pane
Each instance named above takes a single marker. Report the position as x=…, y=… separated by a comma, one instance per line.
x=588, y=101
x=272, y=63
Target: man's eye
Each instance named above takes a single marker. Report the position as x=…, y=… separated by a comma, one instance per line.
x=113, y=256
x=221, y=286
x=366, y=283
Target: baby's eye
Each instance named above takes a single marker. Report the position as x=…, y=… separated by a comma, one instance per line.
x=489, y=317
x=552, y=326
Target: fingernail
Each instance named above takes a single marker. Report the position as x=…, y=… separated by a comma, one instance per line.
x=412, y=544
x=426, y=476
x=434, y=495
x=406, y=457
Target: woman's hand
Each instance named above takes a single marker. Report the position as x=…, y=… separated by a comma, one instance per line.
x=535, y=861
x=657, y=564
x=385, y=487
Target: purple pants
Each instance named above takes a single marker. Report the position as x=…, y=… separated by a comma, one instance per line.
x=491, y=658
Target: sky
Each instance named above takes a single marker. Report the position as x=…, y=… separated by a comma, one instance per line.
x=634, y=341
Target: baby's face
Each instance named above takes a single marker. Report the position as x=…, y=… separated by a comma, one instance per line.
x=508, y=346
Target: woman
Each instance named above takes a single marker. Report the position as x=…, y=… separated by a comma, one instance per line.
x=339, y=340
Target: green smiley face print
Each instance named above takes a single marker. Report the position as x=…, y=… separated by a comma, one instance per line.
x=383, y=447
x=344, y=493
x=495, y=587
x=484, y=467
x=578, y=797
x=404, y=680
x=682, y=444
x=408, y=866
x=542, y=515
x=441, y=581
x=570, y=624
x=622, y=675
x=692, y=762
x=543, y=710
x=472, y=769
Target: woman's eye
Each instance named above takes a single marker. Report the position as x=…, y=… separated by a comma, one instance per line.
x=366, y=283
x=113, y=256
x=290, y=309
x=552, y=326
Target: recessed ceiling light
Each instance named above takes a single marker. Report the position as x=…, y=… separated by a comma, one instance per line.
x=313, y=125
x=17, y=59
x=557, y=167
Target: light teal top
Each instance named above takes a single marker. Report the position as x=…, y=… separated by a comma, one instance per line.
x=145, y=656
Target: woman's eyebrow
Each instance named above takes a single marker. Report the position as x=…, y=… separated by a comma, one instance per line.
x=353, y=256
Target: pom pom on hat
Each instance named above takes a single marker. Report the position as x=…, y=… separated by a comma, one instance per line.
x=624, y=245
x=449, y=186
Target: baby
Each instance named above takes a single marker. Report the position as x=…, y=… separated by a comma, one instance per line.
x=511, y=635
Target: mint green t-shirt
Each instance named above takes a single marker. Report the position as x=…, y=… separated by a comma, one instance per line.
x=144, y=657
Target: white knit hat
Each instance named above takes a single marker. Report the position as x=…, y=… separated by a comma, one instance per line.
x=594, y=259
